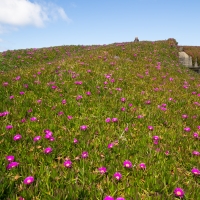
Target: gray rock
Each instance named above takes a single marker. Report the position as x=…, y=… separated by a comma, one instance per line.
x=116, y=57
x=185, y=59
x=196, y=65
x=136, y=39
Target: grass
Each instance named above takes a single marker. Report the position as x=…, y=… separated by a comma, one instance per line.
x=71, y=93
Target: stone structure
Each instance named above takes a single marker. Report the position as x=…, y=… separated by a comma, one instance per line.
x=185, y=59
x=136, y=39
x=196, y=65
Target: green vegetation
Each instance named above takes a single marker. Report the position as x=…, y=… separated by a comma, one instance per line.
x=73, y=116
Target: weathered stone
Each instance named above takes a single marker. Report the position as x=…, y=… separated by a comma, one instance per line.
x=180, y=49
x=196, y=65
x=185, y=59
x=136, y=39
x=116, y=57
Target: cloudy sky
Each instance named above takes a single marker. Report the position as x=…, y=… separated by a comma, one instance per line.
x=44, y=23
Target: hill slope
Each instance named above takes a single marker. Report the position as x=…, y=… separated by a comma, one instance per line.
x=115, y=106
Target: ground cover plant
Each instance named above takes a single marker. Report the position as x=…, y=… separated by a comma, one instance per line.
x=117, y=121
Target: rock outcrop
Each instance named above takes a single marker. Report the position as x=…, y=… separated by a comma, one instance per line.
x=185, y=59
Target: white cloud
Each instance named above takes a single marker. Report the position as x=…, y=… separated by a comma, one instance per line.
x=1, y=40
x=23, y=12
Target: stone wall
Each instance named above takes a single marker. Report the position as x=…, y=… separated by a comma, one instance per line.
x=185, y=59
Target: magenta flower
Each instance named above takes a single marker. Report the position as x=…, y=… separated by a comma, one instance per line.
x=109, y=198
x=126, y=129
x=120, y=198
x=156, y=137
x=85, y=154
x=110, y=146
x=48, y=150
x=150, y=128
x=142, y=166
x=187, y=129
x=83, y=127
x=196, y=135
x=102, y=170
x=51, y=139
x=68, y=164
x=17, y=137
x=23, y=120
x=196, y=153
x=127, y=164
x=123, y=109
x=75, y=141
x=8, y=127
x=10, y=158
x=21, y=93
x=123, y=99
x=28, y=180
x=12, y=165
x=166, y=153
x=69, y=117
x=5, y=84
x=37, y=138
x=117, y=175
x=79, y=97
x=148, y=102
x=184, y=116
x=48, y=134
x=114, y=120
x=108, y=120
x=33, y=119
x=64, y=101
x=88, y=93
x=11, y=97
x=178, y=192
x=39, y=101
x=195, y=171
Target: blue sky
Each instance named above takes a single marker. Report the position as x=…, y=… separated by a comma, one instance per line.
x=44, y=23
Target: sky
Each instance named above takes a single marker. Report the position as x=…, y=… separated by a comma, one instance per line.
x=28, y=24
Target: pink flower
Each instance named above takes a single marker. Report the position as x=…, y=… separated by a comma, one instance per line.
x=33, y=119
x=150, y=128
x=187, y=129
x=69, y=117
x=64, y=101
x=142, y=166
x=195, y=171
x=114, y=120
x=28, y=180
x=84, y=154
x=48, y=150
x=83, y=127
x=10, y=158
x=108, y=120
x=178, y=192
x=196, y=135
x=68, y=164
x=75, y=141
x=17, y=137
x=117, y=175
x=127, y=164
x=102, y=170
x=37, y=138
x=123, y=99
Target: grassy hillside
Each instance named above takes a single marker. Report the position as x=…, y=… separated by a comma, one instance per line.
x=99, y=122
